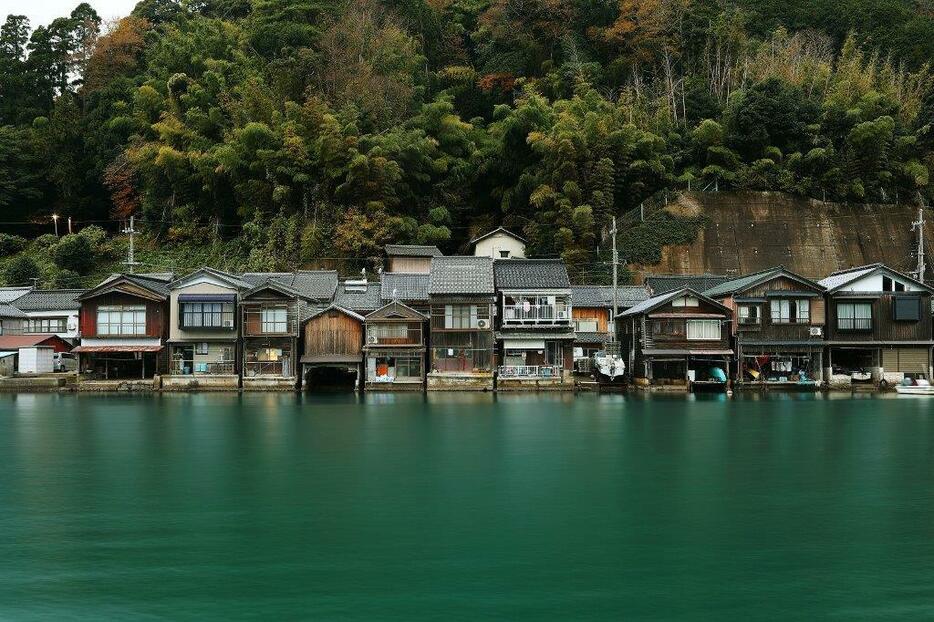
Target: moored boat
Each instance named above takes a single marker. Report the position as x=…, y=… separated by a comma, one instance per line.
x=919, y=387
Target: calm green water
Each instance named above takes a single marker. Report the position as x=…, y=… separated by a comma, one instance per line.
x=465, y=507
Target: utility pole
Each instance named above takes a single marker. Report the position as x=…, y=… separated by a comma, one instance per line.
x=919, y=225
x=130, y=262
x=615, y=292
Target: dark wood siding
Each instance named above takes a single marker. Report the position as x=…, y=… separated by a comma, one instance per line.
x=156, y=312
x=884, y=326
x=333, y=332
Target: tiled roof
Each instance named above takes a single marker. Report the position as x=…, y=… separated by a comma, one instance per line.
x=312, y=284
x=655, y=301
x=49, y=300
x=156, y=285
x=10, y=311
x=412, y=250
x=9, y=294
x=662, y=283
x=403, y=286
x=361, y=301
x=232, y=279
x=531, y=274
x=591, y=337
x=602, y=295
x=461, y=275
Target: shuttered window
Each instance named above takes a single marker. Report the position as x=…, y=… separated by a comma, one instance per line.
x=906, y=309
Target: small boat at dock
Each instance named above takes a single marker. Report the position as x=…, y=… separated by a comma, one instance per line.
x=919, y=387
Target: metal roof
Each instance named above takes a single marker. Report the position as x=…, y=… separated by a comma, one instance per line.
x=404, y=286
x=49, y=300
x=412, y=250
x=655, y=301
x=602, y=295
x=461, y=275
x=663, y=283
x=743, y=282
x=544, y=274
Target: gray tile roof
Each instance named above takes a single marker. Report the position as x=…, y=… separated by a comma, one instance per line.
x=10, y=311
x=49, y=300
x=157, y=285
x=461, y=275
x=9, y=294
x=550, y=274
x=412, y=250
x=234, y=280
x=312, y=284
x=361, y=301
x=662, y=283
x=602, y=295
x=402, y=286
x=748, y=280
x=591, y=337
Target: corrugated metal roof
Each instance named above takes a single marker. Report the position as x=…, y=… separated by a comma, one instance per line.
x=544, y=274
x=461, y=275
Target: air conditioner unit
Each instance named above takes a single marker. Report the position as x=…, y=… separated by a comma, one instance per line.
x=372, y=339
x=562, y=315
x=483, y=323
x=228, y=323
x=816, y=331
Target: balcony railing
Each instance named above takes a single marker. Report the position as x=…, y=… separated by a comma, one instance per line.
x=192, y=368
x=404, y=336
x=521, y=314
x=530, y=371
x=267, y=368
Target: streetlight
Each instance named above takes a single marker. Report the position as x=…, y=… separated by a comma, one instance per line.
x=55, y=220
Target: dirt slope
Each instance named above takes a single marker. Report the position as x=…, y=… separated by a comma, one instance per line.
x=749, y=231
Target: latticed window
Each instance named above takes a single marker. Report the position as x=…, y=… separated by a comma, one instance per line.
x=275, y=320
x=207, y=315
x=121, y=320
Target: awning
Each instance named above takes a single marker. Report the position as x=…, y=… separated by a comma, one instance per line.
x=653, y=352
x=691, y=316
x=110, y=349
x=207, y=297
x=524, y=344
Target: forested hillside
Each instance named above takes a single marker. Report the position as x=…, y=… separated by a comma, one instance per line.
x=273, y=134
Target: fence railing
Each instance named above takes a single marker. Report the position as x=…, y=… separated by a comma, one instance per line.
x=536, y=314
x=529, y=371
x=266, y=368
x=197, y=368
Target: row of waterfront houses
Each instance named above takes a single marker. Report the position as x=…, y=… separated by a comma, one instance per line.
x=491, y=319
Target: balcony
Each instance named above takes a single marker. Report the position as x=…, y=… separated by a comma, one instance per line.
x=524, y=314
x=394, y=335
x=531, y=372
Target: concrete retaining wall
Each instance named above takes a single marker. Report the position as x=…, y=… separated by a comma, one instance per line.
x=269, y=384
x=460, y=382
x=201, y=383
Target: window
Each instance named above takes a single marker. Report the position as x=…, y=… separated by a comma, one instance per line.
x=586, y=325
x=504, y=254
x=703, y=329
x=854, y=316
x=886, y=284
x=269, y=354
x=791, y=311
x=121, y=320
x=207, y=315
x=460, y=316
x=46, y=325
x=685, y=301
x=906, y=309
x=899, y=287
x=668, y=328
x=201, y=348
x=748, y=314
x=275, y=320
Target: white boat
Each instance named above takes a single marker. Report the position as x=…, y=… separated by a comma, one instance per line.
x=608, y=367
x=923, y=387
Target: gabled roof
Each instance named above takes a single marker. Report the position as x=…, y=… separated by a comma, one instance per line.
x=656, y=301
x=362, y=301
x=232, y=280
x=337, y=308
x=841, y=278
x=273, y=285
x=157, y=289
x=602, y=295
x=10, y=311
x=502, y=230
x=662, y=283
x=310, y=284
x=739, y=284
x=396, y=310
x=412, y=250
x=12, y=342
x=461, y=275
x=404, y=286
x=9, y=294
x=49, y=300
x=547, y=274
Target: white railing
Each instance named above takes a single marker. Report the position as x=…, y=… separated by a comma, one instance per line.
x=537, y=314
x=530, y=371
